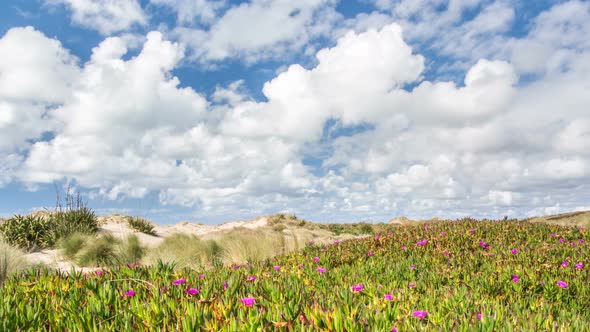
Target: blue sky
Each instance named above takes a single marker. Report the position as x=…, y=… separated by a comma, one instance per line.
x=215, y=110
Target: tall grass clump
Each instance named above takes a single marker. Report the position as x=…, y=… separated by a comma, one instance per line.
x=11, y=260
x=243, y=245
x=141, y=225
x=104, y=250
x=186, y=251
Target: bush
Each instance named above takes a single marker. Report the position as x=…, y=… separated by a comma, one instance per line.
x=245, y=246
x=11, y=260
x=130, y=250
x=141, y=225
x=29, y=232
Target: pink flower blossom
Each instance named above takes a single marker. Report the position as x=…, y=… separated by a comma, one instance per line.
x=564, y=264
x=394, y=329
x=561, y=240
x=412, y=285
x=192, y=291
x=277, y=267
x=404, y=248
x=443, y=233
x=130, y=293
x=446, y=253
x=421, y=243
x=316, y=258
x=225, y=285
x=472, y=231
x=321, y=270
x=370, y=253
x=420, y=314
x=515, y=278
x=357, y=288
x=579, y=266
x=251, y=278
x=479, y=316
x=514, y=251
x=581, y=240
x=178, y=282
x=99, y=272
x=248, y=301
x=388, y=297
x=553, y=235
x=413, y=267
x=336, y=241
x=202, y=276
x=562, y=284
x=376, y=237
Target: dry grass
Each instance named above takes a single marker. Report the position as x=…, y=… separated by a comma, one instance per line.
x=581, y=218
x=12, y=260
x=185, y=251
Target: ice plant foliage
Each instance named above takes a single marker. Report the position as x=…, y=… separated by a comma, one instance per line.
x=469, y=289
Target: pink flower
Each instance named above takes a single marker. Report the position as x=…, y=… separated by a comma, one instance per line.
x=130, y=293
x=562, y=284
x=235, y=267
x=404, y=248
x=515, y=278
x=376, y=237
x=178, y=282
x=394, y=329
x=370, y=253
x=357, y=288
x=388, y=297
x=564, y=264
x=421, y=243
x=248, y=301
x=300, y=266
x=561, y=240
x=420, y=314
x=412, y=285
x=202, y=276
x=225, y=285
x=581, y=240
x=553, y=235
x=99, y=272
x=277, y=267
x=413, y=267
x=321, y=270
x=443, y=233
x=479, y=316
x=251, y=278
x=514, y=251
x=316, y=258
x=192, y=291
x=579, y=266
x=446, y=253
x=472, y=231
x=336, y=241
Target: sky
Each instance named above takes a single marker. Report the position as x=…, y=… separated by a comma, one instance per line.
x=335, y=111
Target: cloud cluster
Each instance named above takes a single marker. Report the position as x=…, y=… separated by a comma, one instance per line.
x=491, y=145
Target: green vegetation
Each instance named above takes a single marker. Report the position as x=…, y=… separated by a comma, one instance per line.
x=450, y=276
x=103, y=250
x=44, y=230
x=141, y=225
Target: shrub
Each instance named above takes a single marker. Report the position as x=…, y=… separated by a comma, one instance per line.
x=29, y=232
x=11, y=260
x=245, y=245
x=141, y=225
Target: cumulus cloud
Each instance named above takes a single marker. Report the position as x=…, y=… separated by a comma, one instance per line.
x=489, y=144
x=105, y=16
x=187, y=11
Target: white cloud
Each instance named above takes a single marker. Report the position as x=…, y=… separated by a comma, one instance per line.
x=105, y=16
x=267, y=29
x=189, y=10
x=490, y=146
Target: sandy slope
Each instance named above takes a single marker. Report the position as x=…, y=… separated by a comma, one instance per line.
x=117, y=226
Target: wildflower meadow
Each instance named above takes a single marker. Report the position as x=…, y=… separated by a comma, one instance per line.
x=463, y=275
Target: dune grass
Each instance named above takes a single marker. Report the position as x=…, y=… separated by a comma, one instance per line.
x=11, y=260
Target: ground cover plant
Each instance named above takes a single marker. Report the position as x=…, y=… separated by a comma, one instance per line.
x=462, y=275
